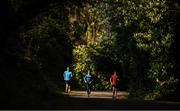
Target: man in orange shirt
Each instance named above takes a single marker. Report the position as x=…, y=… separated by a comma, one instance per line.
x=114, y=80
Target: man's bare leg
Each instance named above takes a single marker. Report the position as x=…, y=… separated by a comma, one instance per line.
x=69, y=88
x=66, y=88
x=113, y=91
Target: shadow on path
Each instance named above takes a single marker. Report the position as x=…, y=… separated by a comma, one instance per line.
x=81, y=102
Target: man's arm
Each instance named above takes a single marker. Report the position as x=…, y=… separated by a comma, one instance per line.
x=85, y=79
x=91, y=80
x=64, y=75
x=71, y=74
x=110, y=80
x=118, y=78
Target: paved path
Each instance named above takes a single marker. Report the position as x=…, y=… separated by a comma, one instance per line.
x=78, y=100
x=98, y=94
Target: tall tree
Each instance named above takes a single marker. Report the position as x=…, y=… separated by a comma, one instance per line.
x=138, y=36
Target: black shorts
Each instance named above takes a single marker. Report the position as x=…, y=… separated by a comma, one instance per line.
x=88, y=85
x=114, y=86
x=68, y=82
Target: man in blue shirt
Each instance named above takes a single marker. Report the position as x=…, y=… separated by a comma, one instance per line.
x=88, y=80
x=67, y=77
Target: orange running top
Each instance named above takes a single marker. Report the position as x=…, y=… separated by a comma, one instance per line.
x=114, y=79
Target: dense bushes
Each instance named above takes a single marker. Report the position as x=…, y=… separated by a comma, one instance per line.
x=138, y=39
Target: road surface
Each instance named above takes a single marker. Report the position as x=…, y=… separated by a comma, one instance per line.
x=78, y=100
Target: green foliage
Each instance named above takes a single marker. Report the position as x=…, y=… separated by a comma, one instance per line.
x=133, y=37
x=47, y=44
x=133, y=34
x=38, y=52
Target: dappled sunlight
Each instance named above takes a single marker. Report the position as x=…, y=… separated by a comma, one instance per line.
x=96, y=94
x=137, y=39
